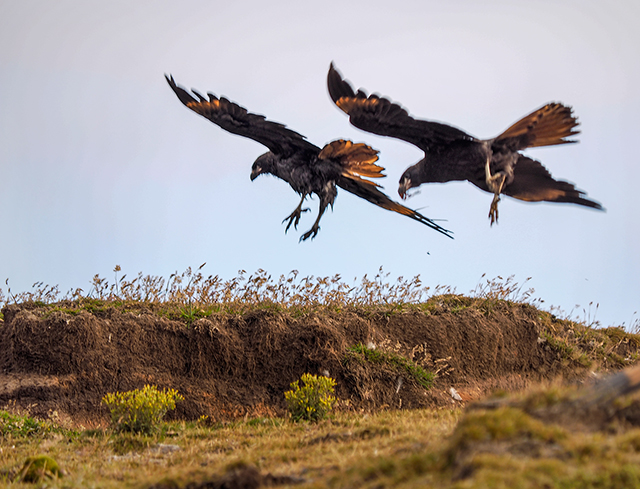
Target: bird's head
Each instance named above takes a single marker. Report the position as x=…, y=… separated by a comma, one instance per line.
x=264, y=164
x=406, y=182
x=255, y=171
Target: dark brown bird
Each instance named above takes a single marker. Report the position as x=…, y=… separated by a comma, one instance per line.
x=307, y=168
x=493, y=165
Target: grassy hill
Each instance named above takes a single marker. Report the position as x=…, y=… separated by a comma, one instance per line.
x=232, y=348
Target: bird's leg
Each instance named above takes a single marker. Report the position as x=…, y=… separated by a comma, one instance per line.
x=494, y=183
x=294, y=217
x=316, y=225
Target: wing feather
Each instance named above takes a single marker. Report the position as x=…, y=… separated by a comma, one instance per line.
x=237, y=120
x=381, y=116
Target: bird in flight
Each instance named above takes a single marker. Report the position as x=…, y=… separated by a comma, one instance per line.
x=494, y=165
x=303, y=165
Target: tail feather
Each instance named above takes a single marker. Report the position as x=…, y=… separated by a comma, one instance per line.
x=357, y=159
x=371, y=194
x=532, y=182
x=547, y=126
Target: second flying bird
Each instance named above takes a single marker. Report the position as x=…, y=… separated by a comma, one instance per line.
x=494, y=165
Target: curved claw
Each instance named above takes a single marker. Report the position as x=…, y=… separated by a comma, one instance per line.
x=493, y=210
x=294, y=218
x=311, y=233
x=495, y=183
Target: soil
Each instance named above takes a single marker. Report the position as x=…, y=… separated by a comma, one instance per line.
x=229, y=366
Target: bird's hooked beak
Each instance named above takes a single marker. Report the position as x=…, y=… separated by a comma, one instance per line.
x=255, y=171
x=405, y=184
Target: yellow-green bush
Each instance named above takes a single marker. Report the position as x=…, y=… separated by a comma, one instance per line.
x=312, y=401
x=39, y=468
x=140, y=410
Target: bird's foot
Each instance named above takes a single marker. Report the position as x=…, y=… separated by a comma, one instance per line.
x=294, y=218
x=494, y=182
x=493, y=210
x=310, y=234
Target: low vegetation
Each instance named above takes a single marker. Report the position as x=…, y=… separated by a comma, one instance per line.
x=362, y=353
x=508, y=446
x=140, y=410
x=39, y=469
x=190, y=294
x=18, y=426
x=313, y=400
x=518, y=442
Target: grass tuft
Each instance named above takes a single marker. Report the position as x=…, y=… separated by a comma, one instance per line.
x=362, y=353
x=16, y=426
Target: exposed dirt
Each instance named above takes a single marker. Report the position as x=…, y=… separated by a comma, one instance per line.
x=227, y=366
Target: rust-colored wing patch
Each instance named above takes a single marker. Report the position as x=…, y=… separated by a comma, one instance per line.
x=237, y=120
x=357, y=159
x=215, y=104
x=356, y=153
x=348, y=104
x=205, y=108
x=547, y=126
x=541, y=194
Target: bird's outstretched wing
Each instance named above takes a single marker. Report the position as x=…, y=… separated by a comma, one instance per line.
x=369, y=192
x=238, y=120
x=381, y=116
x=532, y=182
x=549, y=125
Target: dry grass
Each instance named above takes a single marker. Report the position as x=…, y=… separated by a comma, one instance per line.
x=329, y=453
x=502, y=448
x=192, y=287
x=191, y=295
x=194, y=291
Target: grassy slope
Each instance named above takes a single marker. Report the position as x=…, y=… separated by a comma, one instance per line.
x=500, y=448
x=506, y=447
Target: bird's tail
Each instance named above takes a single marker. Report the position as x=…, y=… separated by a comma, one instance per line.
x=357, y=159
x=547, y=126
x=533, y=183
x=371, y=193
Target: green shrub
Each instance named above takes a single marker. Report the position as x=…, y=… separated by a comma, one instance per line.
x=21, y=426
x=314, y=400
x=39, y=468
x=140, y=411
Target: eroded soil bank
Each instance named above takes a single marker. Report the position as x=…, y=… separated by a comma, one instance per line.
x=231, y=365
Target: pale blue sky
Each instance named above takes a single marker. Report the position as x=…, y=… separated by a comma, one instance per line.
x=101, y=165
